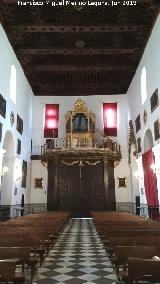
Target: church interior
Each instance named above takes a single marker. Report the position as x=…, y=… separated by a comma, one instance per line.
x=80, y=139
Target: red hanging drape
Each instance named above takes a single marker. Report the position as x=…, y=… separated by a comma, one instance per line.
x=150, y=184
x=110, y=119
x=51, y=121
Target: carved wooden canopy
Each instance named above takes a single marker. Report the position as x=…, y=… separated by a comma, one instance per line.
x=80, y=120
x=80, y=107
x=65, y=50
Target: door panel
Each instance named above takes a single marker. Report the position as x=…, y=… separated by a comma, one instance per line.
x=80, y=189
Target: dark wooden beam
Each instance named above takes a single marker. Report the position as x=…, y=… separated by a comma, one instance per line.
x=47, y=51
x=49, y=68
x=81, y=86
x=77, y=92
x=31, y=28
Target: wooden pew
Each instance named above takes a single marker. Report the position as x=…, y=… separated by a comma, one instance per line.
x=122, y=253
x=45, y=230
x=112, y=242
x=33, y=242
x=44, y=238
x=38, y=232
x=23, y=256
x=141, y=270
x=8, y=272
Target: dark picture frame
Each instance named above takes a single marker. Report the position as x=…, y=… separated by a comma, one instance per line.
x=1, y=126
x=139, y=148
x=18, y=146
x=19, y=125
x=15, y=191
x=38, y=183
x=2, y=106
x=154, y=100
x=122, y=182
x=157, y=129
x=138, y=123
x=24, y=174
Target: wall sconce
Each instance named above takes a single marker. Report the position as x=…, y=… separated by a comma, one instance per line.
x=3, y=171
x=155, y=169
x=138, y=175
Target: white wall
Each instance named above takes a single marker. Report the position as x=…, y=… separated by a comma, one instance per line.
x=38, y=195
x=95, y=104
x=23, y=107
x=150, y=60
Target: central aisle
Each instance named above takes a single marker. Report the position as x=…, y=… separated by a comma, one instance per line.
x=78, y=257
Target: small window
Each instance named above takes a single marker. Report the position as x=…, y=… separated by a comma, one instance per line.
x=13, y=84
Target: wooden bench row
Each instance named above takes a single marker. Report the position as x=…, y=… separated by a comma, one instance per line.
x=26, y=240
x=133, y=244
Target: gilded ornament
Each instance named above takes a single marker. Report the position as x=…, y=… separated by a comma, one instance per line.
x=80, y=107
x=132, y=141
x=80, y=162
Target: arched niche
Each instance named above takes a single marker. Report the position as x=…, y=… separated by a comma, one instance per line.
x=8, y=161
x=148, y=140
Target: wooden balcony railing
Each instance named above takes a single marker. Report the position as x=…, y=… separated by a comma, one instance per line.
x=103, y=144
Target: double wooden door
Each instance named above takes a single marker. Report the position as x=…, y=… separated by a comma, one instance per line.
x=77, y=188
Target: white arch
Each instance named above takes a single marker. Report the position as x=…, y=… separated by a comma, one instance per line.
x=148, y=140
x=8, y=161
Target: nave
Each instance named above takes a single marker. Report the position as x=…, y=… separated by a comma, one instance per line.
x=78, y=257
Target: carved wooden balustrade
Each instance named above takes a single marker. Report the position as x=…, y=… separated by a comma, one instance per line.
x=106, y=146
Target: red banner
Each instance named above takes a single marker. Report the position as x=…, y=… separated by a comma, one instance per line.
x=110, y=119
x=150, y=184
x=51, y=121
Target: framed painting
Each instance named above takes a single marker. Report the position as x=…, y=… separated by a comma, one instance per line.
x=138, y=123
x=1, y=125
x=24, y=174
x=19, y=125
x=18, y=146
x=157, y=129
x=139, y=148
x=154, y=100
x=2, y=106
x=38, y=183
x=122, y=182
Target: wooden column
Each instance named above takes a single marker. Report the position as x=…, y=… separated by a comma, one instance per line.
x=52, y=196
x=105, y=174
x=109, y=185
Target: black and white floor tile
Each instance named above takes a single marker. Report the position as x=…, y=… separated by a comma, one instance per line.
x=78, y=257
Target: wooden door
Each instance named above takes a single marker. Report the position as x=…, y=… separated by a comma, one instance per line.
x=79, y=189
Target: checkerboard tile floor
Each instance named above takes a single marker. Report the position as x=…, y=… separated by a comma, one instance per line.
x=78, y=257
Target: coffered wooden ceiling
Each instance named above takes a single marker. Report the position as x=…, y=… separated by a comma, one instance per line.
x=69, y=51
